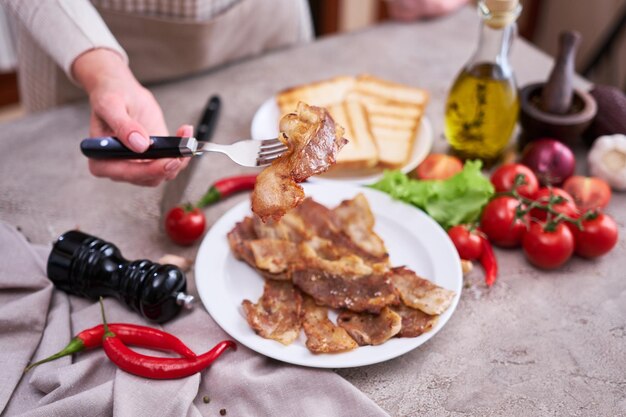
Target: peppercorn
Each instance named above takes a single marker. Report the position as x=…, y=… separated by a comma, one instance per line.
x=223, y=412
x=206, y=399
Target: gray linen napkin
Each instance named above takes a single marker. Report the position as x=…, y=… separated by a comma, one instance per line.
x=36, y=321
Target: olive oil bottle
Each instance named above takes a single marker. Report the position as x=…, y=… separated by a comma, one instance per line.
x=483, y=105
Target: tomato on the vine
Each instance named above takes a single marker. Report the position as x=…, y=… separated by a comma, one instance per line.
x=548, y=249
x=498, y=222
x=567, y=207
x=467, y=242
x=589, y=193
x=503, y=179
x=185, y=225
x=598, y=237
x=439, y=167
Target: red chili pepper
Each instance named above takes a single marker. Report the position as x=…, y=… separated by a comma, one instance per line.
x=489, y=262
x=159, y=368
x=132, y=334
x=225, y=187
x=152, y=366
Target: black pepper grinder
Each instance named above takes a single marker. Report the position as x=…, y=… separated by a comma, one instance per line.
x=87, y=266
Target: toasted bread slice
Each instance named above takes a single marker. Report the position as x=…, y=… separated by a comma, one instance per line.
x=390, y=91
x=322, y=93
x=394, y=111
x=360, y=151
x=381, y=117
x=395, y=145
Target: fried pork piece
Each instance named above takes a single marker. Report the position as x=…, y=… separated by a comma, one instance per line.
x=370, y=329
x=419, y=293
x=277, y=313
x=322, y=254
x=325, y=223
x=414, y=322
x=273, y=256
x=322, y=335
x=237, y=238
x=357, y=221
x=313, y=140
x=369, y=293
x=290, y=227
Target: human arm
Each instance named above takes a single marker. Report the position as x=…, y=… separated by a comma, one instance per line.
x=64, y=29
x=75, y=36
x=408, y=10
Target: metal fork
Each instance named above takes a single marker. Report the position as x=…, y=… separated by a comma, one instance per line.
x=249, y=153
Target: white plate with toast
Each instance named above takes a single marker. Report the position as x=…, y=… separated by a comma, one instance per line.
x=412, y=238
x=265, y=125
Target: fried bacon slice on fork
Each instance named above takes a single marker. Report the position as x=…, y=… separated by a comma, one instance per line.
x=313, y=140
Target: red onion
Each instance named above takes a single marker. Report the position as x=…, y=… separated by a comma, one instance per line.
x=552, y=161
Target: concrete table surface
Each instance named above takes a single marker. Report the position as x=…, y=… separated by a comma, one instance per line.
x=538, y=343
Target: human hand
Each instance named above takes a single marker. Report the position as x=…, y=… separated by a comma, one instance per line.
x=408, y=10
x=123, y=108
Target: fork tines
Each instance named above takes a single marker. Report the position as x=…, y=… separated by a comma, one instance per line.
x=269, y=150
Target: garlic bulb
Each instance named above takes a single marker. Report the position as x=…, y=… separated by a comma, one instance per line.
x=607, y=160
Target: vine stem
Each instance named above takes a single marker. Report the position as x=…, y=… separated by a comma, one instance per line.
x=554, y=217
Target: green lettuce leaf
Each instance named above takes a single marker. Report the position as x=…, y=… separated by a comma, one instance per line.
x=457, y=200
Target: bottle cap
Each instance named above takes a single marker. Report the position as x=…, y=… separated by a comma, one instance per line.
x=499, y=13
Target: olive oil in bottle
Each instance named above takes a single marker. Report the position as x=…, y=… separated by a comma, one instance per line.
x=482, y=106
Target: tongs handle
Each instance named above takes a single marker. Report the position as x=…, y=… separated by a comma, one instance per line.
x=108, y=147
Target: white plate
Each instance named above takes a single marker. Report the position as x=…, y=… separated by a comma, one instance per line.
x=412, y=238
x=265, y=125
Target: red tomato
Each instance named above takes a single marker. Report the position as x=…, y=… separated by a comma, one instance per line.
x=499, y=224
x=598, y=237
x=438, y=166
x=503, y=179
x=548, y=249
x=568, y=207
x=467, y=243
x=184, y=226
x=589, y=193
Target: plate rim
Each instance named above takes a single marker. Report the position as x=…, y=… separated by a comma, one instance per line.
x=274, y=349
x=425, y=136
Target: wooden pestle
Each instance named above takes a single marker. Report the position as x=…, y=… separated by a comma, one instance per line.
x=556, y=97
